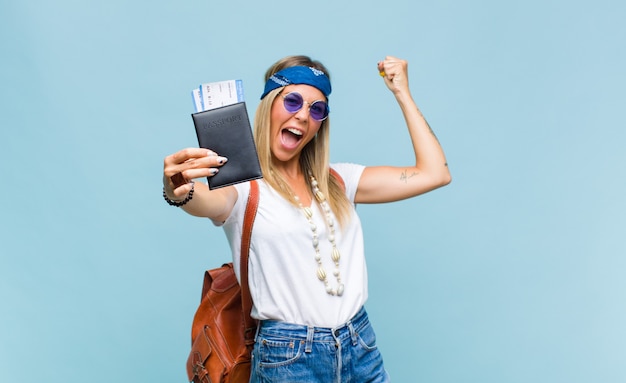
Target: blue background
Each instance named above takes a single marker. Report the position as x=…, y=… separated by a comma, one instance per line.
x=513, y=273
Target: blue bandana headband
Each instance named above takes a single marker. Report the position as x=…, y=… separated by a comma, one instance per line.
x=298, y=75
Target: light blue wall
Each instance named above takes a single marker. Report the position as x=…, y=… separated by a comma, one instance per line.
x=512, y=274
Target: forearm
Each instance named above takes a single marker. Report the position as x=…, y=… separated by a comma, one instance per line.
x=208, y=203
x=200, y=201
x=430, y=159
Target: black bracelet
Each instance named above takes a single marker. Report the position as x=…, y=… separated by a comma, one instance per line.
x=179, y=203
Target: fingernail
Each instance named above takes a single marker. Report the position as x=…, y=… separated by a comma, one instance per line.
x=222, y=160
x=214, y=171
x=210, y=153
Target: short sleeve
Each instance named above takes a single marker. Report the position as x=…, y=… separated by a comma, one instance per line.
x=236, y=215
x=351, y=174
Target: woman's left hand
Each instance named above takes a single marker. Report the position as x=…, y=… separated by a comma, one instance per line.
x=395, y=73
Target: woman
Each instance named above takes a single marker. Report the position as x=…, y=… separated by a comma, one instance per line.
x=307, y=272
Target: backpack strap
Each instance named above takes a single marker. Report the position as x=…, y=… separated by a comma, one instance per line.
x=246, y=235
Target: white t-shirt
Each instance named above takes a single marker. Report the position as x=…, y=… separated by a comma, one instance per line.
x=282, y=268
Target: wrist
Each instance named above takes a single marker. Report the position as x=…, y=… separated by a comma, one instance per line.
x=179, y=202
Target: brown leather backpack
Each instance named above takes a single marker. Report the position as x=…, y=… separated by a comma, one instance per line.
x=223, y=332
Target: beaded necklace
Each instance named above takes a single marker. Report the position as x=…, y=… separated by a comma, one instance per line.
x=335, y=255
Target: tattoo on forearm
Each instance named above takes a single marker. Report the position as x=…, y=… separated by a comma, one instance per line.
x=431, y=130
x=404, y=176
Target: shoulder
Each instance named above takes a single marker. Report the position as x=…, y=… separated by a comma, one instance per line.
x=351, y=175
x=348, y=170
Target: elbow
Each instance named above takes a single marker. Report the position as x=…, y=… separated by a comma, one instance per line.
x=446, y=179
x=443, y=179
x=438, y=176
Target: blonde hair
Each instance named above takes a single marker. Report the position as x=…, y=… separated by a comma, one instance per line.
x=315, y=156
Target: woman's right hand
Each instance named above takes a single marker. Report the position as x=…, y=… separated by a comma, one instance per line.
x=183, y=166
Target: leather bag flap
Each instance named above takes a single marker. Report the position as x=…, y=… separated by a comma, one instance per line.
x=200, y=351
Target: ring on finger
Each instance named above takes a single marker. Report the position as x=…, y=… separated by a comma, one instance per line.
x=178, y=180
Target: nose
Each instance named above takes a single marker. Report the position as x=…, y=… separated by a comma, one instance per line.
x=303, y=113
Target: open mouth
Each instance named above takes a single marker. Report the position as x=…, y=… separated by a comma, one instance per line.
x=291, y=137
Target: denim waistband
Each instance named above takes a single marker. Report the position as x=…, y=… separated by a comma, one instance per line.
x=348, y=330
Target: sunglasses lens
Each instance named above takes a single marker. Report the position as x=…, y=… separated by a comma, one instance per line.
x=319, y=110
x=293, y=102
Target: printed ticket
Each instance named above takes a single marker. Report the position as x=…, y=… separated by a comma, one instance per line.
x=216, y=94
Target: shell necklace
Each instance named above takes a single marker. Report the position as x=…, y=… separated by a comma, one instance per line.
x=335, y=255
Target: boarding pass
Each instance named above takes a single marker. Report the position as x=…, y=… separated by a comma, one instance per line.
x=216, y=94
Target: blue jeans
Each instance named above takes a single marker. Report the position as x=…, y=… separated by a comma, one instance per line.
x=288, y=353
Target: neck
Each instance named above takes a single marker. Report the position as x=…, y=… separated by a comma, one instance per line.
x=296, y=180
x=289, y=170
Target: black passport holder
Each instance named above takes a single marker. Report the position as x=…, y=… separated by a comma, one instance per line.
x=226, y=131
